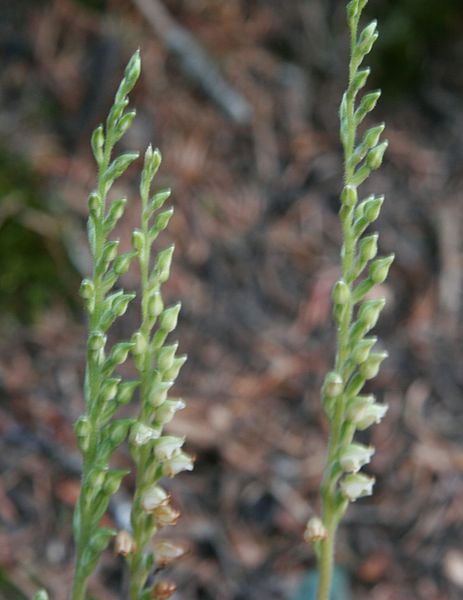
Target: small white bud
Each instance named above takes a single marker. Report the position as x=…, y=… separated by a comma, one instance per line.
x=333, y=385
x=124, y=543
x=315, y=531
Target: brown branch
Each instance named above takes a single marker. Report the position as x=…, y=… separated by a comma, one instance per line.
x=194, y=61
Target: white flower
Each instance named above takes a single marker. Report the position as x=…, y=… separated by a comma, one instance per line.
x=365, y=411
x=166, y=552
x=167, y=446
x=124, y=543
x=154, y=497
x=315, y=531
x=177, y=463
x=142, y=434
x=356, y=486
x=355, y=456
x=166, y=411
x=166, y=515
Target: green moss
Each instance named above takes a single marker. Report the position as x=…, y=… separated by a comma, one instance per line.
x=34, y=268
x=412, y=31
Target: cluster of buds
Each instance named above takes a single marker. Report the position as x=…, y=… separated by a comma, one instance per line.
x=355, y=312
x=155, y=453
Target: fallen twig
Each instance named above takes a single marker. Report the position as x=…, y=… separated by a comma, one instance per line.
x=195, y=62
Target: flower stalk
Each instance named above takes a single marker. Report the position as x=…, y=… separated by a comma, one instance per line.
x=155, y=455
x=354, y=314
x=99, y=431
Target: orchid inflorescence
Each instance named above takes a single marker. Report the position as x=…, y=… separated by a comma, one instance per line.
x=355, y=312
x=100, y=431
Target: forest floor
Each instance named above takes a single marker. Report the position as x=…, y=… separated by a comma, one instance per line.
x=255, y=164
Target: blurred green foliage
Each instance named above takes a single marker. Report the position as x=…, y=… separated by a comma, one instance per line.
x=34, y=267
x=411, y=33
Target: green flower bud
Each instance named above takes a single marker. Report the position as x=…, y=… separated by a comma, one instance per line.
x=162, y=220
x=367, y=38
x=96, y=478
x=115, y=212
x=379, y=269
x=368, y=247
x=171, y=374
x=155, y=305
x=114, y=478
x=94, y=202
x=41, y=595
x=120, y=352
x=158, y=392
x=157, y=201
x=333, y=385
x=125, y=122
x=82, y=426
x=87, y=289
x=138, y=240
x=165, y=357
x=101, y=538
x=97, y=143
x=372, y=135
x=83, y=429
x=118, y=430
x=367, y=104
x=169, y=317
x=109, y=389
x=362, y=350
x=126, y=391
x=341, y=293
x=349, y=196
x=131, y=75
x=359, y=81
x=375, y=156
x=109, y=252
x=140, y=343
x=370, y=368
x=163, y=262
x=119, y=165
x=372, y=208
x=96, y=341
x=370, y=310
x=121, y=303
x=122, y=263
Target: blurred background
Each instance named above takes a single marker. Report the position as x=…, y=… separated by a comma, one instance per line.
x=242, y=98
